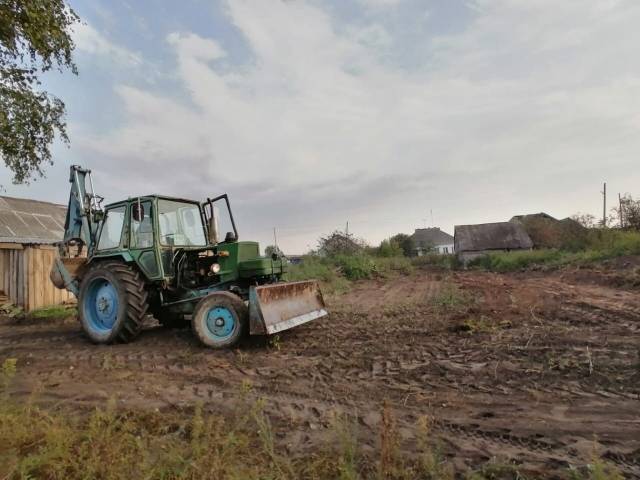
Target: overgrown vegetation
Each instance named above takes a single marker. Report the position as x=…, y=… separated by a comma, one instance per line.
x=342, y=258
x=598, y=245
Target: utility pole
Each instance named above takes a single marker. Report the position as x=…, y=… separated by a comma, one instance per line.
x=347, y=230
x=604, y=207
x=431, y=211
x=275, y=239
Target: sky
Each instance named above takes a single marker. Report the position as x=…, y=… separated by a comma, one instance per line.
x=387, y=114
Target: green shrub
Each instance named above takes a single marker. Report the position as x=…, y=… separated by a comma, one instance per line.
x=317, y=268
x=388, y=265
x=601, y=244
x=356, y=267
x=389, y=248
x=447, y=262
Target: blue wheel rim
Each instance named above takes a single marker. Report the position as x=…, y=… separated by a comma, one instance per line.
x=220, y=324
x=100, y=305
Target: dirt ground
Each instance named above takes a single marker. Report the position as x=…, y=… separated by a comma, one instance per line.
x=539, y=369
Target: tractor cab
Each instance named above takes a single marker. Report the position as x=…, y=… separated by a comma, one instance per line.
x=177, y=242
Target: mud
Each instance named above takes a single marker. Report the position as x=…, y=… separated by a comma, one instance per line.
x=539, y=369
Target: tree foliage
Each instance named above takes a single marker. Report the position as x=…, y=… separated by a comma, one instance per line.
x=390, y=248
x=271, y=249
x=629, y=216
x=340, y=243
x=35, y=37
x=585, y=219
x=405, y=242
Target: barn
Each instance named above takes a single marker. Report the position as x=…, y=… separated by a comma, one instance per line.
x=28, y=231
x=473, y=241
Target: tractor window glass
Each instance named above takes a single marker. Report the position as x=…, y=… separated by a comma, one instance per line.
x=112, y=229
x=180, y=224
x=141, y=225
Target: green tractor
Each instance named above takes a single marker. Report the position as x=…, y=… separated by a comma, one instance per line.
x=162, y=255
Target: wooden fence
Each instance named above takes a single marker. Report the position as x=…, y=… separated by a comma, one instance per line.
x=24, y=277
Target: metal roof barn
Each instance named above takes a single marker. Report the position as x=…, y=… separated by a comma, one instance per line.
x=28, y=231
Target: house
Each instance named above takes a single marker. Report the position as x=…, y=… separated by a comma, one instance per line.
x=28, y=231
x=431, y=240
x=472, y=241
x=548, y=232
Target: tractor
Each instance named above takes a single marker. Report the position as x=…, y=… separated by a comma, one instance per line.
x=163, y=256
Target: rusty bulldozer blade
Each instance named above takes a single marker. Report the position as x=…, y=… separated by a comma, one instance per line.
x=278, y=307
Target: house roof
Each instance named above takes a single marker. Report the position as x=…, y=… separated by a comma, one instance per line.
x=31, y=221
x=491, y=236
x=532, y=216
x=423, y=237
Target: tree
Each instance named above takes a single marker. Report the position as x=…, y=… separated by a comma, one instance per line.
x=340, y=243
x=389, y=248
x=35, y=37
x=406, y=243
x=629, y=218
x=585, y=219
x=271, y=249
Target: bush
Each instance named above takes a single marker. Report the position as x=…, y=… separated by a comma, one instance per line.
x=356, y=267
x=389, y=248
x=316, y=268
x=600, y=245
x=385, y=266
x=446, y=262
x=510, y=261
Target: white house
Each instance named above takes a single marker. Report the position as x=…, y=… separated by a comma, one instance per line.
x=432, y=240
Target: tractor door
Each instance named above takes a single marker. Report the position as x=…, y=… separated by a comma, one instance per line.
x=221, y=227
x=142, y=239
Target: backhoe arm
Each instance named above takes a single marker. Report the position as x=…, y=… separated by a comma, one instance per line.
x=84, y=214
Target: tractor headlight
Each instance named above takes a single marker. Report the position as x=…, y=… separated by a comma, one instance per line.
x=215, y=267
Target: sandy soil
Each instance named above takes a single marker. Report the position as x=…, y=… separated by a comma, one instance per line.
x=542, y=369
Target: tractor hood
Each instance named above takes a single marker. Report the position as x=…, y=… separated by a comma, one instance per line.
x=243, y=259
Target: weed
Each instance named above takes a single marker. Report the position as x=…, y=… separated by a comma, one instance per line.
x=345, y=430
x=274, y=342
x=495, y=470
x=480, y=324
x=431, y=462
x=7, y=373
x=451, y=297
x=389, y=444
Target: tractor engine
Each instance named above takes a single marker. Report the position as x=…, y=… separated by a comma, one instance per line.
x=196, y=269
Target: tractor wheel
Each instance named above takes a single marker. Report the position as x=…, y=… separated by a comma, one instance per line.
x=220, y=319
x=112, y=303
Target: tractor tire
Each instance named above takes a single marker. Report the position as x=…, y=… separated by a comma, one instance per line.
x=220, y=320
x=112, y=303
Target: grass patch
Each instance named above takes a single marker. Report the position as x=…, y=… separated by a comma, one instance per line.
x=444, y=262
x=336, y=273
x=598, y=245
x=316, y=268
x=450, y=297
x=54, y=312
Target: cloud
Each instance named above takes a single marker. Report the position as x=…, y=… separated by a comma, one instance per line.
x=89, y=40
x=503, y=117
x=379, y=3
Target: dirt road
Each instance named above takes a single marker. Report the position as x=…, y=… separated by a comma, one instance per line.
x=542, y=370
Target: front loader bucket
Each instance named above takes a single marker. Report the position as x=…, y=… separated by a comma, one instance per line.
x=278, y=307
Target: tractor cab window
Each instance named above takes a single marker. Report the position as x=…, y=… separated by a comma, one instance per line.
x=112, y=229
x=141, y=225
x=180, y=224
